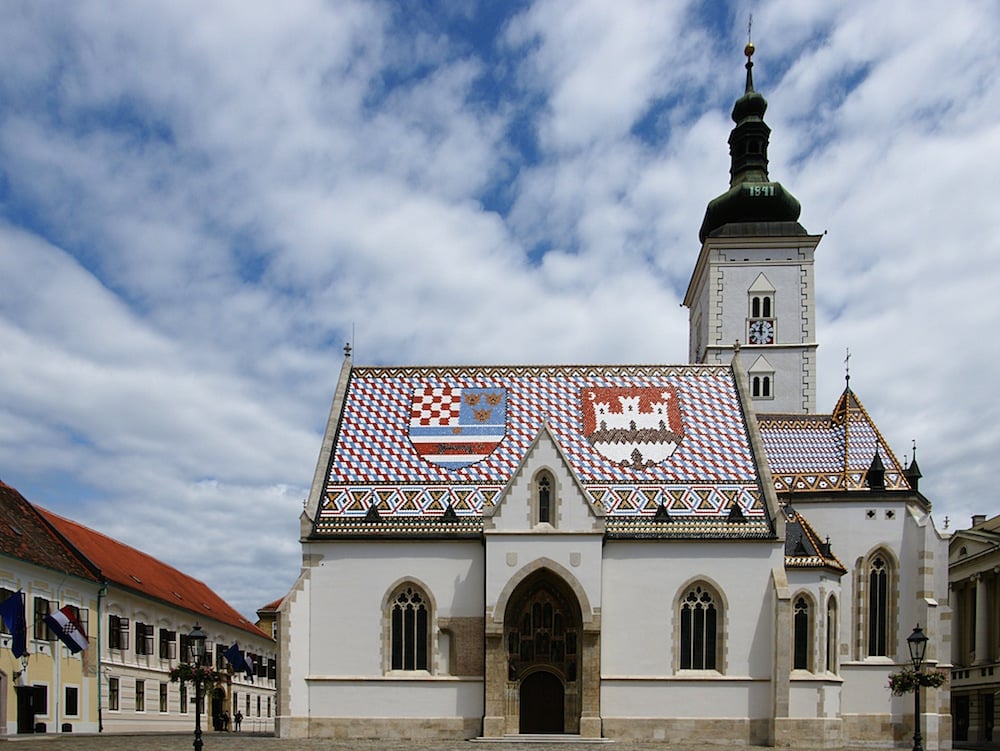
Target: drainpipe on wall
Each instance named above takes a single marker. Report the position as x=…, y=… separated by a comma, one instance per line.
x=101, y=594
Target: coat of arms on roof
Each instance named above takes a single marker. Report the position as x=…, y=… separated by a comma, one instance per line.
x=633, y=427
x=454, y=427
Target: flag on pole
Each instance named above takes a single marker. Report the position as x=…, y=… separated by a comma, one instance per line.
x=238, y=661
x=64, y=624
x=12, y=612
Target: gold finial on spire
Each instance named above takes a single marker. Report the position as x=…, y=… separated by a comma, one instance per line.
x=749, y=49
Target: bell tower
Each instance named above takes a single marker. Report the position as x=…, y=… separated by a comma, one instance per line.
x=753, y=281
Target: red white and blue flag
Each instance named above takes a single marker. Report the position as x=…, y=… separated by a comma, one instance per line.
x=64, y=624
x=454, y=427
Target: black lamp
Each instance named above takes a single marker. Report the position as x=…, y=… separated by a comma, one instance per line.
x=917, y=642
x=196, y=646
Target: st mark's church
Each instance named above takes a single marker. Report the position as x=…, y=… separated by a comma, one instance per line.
x=658, y=552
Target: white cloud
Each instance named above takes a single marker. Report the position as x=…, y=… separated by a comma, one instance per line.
x=201, y=203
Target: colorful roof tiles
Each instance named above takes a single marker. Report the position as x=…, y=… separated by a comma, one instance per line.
x=824, y=453
x=419, y=443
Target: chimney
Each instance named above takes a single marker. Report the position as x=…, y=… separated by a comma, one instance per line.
x=978, y=519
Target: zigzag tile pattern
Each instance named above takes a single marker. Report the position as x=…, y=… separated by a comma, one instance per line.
x=375, y=462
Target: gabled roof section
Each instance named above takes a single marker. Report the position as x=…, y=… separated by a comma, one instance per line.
x=416, y=442
x=139, y=572
x=825, y=453
x=803, y=548
x=25, y=535
x=573, y=491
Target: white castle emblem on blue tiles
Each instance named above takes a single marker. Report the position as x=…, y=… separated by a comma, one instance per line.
x=454, y=427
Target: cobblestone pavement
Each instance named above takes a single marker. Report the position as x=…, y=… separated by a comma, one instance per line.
x=236, y=742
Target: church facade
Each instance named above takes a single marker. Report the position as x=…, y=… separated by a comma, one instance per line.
x=663, y=552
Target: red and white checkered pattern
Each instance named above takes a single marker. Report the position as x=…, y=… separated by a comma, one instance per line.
x=436, y=407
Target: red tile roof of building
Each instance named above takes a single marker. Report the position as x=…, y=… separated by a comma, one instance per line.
x=132, y=569
x=24, y=534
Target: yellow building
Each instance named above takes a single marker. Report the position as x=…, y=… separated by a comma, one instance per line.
x=49, y=689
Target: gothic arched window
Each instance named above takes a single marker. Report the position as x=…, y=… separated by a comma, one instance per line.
x=700, y=612
x=879, y=582
x=831, y=635
x=409, y=622
x=801, y=634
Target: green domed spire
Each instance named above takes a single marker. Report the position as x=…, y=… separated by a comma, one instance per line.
x=753, y=205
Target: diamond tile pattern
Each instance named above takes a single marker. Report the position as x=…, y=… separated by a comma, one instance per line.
x=374, y=460
x=827, y=452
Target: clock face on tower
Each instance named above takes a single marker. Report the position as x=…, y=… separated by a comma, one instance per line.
x=761, y=331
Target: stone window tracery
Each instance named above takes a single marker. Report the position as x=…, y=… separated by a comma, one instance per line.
x=700, y=629
x=409, y=620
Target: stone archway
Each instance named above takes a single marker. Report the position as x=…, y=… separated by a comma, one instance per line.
x=541, y=653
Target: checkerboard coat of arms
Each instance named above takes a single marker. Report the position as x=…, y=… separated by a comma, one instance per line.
x=454, y=427
x=632, y=426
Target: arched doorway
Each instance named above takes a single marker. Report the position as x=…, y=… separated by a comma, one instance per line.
x=543, y=703
x=218, y=709
x=542, y=635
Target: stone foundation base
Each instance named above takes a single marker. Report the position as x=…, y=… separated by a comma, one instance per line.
x=380, y=728
x=704, y=731
x=808, y=732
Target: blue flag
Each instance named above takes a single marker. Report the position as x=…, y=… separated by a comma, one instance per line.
x=12, y=612
x=238, y=661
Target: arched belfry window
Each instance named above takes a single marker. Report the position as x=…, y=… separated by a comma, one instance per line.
x=761, y=375
x=700, y=616
x=409, y=626
x=544, y=498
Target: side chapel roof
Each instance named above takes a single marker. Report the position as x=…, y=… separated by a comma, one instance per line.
x=825, y=453
x=384, y=477
x=803, y=547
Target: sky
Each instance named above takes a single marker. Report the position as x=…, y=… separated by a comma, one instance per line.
x=201, y=203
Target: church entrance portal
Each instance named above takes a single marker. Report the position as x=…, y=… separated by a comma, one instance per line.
x=542, y=703
x=542, y=630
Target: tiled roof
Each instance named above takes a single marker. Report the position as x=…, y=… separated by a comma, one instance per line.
x=823, y=453
x=25, y=535
x=132, y=569
x=422, y=442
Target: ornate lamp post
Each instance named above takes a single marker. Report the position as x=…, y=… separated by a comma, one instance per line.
x=917, y=642
x=196, y=645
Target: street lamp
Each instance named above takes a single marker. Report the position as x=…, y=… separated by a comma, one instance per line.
x=196, y=645
x=917, y=642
